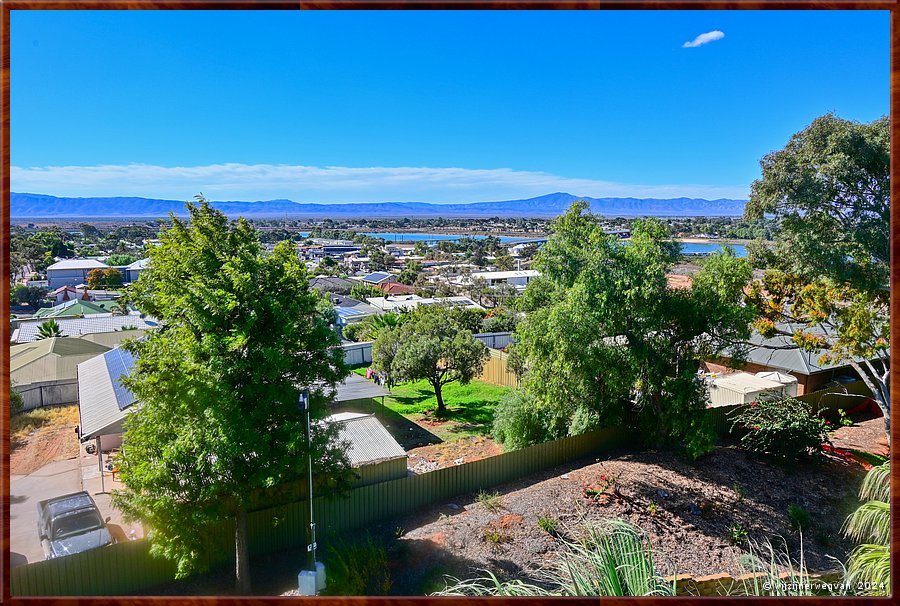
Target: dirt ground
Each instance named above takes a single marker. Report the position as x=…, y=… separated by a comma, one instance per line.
x=447, y=454
x=687, y=510
x=866, y=434
x=693, y=508
x=50, y=438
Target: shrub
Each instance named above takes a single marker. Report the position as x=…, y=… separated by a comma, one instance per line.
x=358, y=569
x=784, y=429
x=798, y=516
x=518, y=421
x=16, y=403
x=355, y=332
x=548, y=525
x=737, y=533
x=492, y=535
x=491, y=501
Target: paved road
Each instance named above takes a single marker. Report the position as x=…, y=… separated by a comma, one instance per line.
x=51, y=480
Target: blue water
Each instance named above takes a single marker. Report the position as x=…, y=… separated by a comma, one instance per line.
x=687, y=248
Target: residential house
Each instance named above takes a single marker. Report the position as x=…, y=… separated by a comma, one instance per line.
x=396, y=288
x=131, y=272
x=378, y=277
x=331, y=284
x=70, y=272
x=764, y=355
x=399, y=303
x=351, y=311
x=519, y=279
x=129, y=326
x=75, y=307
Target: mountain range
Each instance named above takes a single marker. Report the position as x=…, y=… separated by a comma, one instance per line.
x=28, y=206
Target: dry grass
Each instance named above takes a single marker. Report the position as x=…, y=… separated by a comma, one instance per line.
x=48, y=419
x=41, y=436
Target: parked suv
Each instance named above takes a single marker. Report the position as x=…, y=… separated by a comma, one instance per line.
x=71, y=524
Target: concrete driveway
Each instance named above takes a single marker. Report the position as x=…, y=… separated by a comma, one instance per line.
x=51, y=480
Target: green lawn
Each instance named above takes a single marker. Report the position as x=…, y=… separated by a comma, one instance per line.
x=470, y=408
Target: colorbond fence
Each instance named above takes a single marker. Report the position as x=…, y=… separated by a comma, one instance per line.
x=496, y=371
x=128, y=567
x=826, y=401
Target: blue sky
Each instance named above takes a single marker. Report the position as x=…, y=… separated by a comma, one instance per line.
x=455, y=106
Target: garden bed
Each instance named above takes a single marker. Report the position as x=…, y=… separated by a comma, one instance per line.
x=695, y=516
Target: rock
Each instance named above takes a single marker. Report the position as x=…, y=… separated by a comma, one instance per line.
x=696, y=511
x=452, y=505
x=662, y=494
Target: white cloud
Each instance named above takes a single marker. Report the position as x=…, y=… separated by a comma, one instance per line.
x=332, y=184
x=704, y=38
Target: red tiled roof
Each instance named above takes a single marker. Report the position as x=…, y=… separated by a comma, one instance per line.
x=395, y=288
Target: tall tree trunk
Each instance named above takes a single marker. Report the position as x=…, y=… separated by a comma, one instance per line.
x=441, y=409
x=241, y=554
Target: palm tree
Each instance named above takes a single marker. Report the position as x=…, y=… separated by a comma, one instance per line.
x=382, y=322
x=48, y=330
x=869, y=567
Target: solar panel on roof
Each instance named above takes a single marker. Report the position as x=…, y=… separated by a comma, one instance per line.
x=347, y=312
x=119, y=363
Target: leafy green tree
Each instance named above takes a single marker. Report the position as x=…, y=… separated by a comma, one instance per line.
x=605, y=339
x=49, y=329
x=112, y=277
x=218, y=431
x=16, y=402
x=118, y=260
x=410, y=272
x=430, y=344
x=32, y=296
x=362, y=291
x=828, y=287
x=504, y=263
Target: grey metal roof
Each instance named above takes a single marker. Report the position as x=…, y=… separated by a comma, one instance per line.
x=77, y=264
x=98, y=403
x=355, y=387
x=75, y=327
x=793, y=360
x=368, y=440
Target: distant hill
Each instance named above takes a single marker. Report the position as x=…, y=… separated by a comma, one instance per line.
x=26, y=206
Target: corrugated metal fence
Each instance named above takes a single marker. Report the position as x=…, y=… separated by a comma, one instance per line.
x=496, y=371
x=128, y=567
x=827, y=401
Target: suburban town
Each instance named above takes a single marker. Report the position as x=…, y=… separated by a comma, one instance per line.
x=663, y=390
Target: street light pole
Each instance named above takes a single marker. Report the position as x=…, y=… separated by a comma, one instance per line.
x=303, y=405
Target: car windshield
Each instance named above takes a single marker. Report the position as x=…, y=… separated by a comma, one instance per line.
x=77, y=523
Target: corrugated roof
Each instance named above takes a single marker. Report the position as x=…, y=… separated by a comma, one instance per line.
x=74, y=307
x=793, y=359
x=74, y=327
x=50, y=359
x=368, y=440
x=77, y=264
x=98, y=406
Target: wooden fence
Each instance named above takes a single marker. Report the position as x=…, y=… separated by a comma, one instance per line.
x=128, y=567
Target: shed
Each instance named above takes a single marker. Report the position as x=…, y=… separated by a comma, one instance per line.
x=741, y=388
x=44, y=371
x=372, y=450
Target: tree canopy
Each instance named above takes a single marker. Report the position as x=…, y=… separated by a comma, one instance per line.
x=431, y=343
x=241, y=335
x=828, y=286
x=606, y=340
